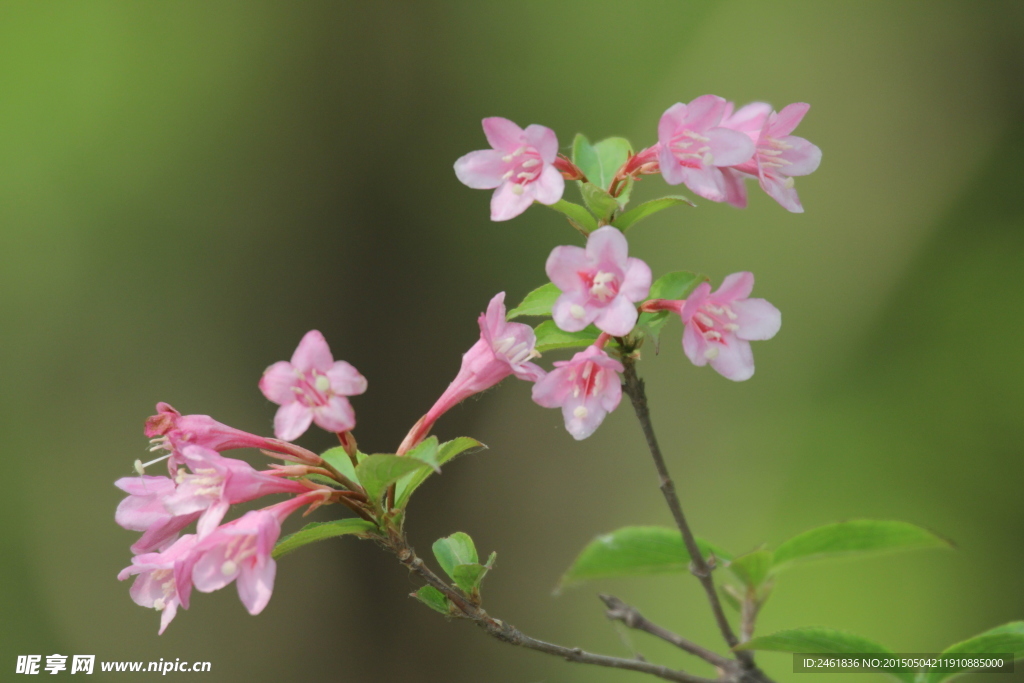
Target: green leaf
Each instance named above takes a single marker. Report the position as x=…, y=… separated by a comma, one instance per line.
x=821, y=641
x=602, y=204
x=454, y=550
x=537, y=302
x=434, y=599
x=380, y=470
x=612, y=153
x=448, y=450
x=585, y=156
x=578, y=216
x=638, y=213
x=318, y=531
x=426, y=451
x=549, y=337
x=675, y=285
x=753, y=567
x=1005, y=639
x=730, y=596
x=468, y=577
x=339, y=460
x=634, y=551
x=856, y=536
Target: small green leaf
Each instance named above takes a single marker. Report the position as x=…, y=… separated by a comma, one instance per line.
x=1008, y=639
x=642, y=211
x=585, y=157
x=602, y=204
x=634, y=551
x=319, y=531
x=753, y=567
x=537, y=302
x=855, y=536
x=578, y=216
x=426, y=451
x=448, y=450
x=730, y=596
x=612, y=153
x=434, y=599
x=549, y=337
x=454, y=550
x=468, y=578
x=380, y=470
x=821, y=641
x=339, y=460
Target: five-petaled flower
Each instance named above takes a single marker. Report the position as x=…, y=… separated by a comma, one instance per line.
x=720, y=325
x=600, y=284
x=586, y=388
x=693, y=146
x=312, y=388
x=519, y=166
x=778, y=157
x=162, y=583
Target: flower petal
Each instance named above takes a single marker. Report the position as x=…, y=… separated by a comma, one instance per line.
x=481, y=170
x=336, y=416
x=256, y=585
x=552, y=390
x=729, y=147
x=671, y=170
x=735, y=187
x=748, y=119
x=549, y=187
x=694, y=346
x=277, y=382
x=502, y=134
x=506, y=204
x=544, y=140
x=618, y=318
x=564, y=265
x=564, y=309
x=312, y=353
x=704, y=112
x=803, y=157
x=757, y=319
x=735, y=286
x=636, y=284
x=345, y=379
x=582, y=423
x=785, y=196
x=291, y=421
x=786, y=120
x=671, y=122
x=607, y=246
x=706, y=182
x=735, y=360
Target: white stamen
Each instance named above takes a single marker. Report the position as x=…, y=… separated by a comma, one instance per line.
x=600, y=288
x=159, y=604
x=708, y=159
x=696, y=136
x=517, y=189
x=705, y=320
x=322, y=384
x=711, y=352
x=729, y=313
x=503, y=345
x=711, y=335
x=577, y=311
x=581, y=412
x=586, y=370
x=507, y=158
x=715, y=310
x=530, y=163
x=140, y=466
x=731, y=327
x=508, y=174
x=527, y=176
x=228, y=568
x=575, y=392
x=519, y=151
x=789, y=182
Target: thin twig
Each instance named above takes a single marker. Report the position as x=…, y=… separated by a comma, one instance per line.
x=628, y=615
x=510, y=634
x=634, y=388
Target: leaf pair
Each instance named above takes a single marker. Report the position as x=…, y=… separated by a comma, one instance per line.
x=458, y=558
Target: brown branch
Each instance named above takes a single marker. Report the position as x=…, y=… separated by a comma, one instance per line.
x=628, y=615
x=510, y=634
x=634, y=388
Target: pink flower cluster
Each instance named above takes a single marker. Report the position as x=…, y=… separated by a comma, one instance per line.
x=706, y=145
x=202, y=485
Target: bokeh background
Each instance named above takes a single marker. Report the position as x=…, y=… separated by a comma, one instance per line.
x=186, y=188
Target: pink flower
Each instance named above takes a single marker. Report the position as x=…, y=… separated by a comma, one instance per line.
x=599, y=284
x=586, y=388
x=520, y=166
x=312, y=388
x=161, y=583
x=778, y=157
x=143, y=510
x=503, y=349
x=241, y=549
x=171, y=430
x=693, y=146
x=216, y=483
x=720, y=325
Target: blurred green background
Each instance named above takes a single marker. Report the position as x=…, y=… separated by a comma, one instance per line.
x=186, y=188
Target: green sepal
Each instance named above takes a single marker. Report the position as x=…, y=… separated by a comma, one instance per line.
x=434, y=599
